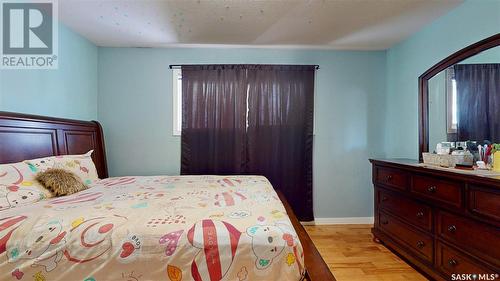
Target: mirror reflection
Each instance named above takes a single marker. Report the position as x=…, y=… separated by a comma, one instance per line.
x=464, y=102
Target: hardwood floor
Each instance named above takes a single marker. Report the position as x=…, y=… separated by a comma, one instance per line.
x=352, y=255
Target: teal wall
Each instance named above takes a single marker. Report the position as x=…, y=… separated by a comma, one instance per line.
x=69, y=91
x=437, y=110
x=135, y=108
x=470, y=22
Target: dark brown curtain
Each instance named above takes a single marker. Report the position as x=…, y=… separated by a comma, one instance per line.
x=213, y=137
x=278, y=139
x=478, y=100
x=280, y=131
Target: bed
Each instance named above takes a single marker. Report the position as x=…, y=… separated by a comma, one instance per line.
x=146, y=228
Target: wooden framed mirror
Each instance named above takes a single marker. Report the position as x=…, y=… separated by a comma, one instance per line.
x=444, y=106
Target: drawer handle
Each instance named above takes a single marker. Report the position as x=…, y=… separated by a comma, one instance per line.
x=452, y=262
x=384, y=198
x=432, y=189
x=452, y=228
x=420, y=244
x=385, y=222
x=388, y=178
x=420, y=214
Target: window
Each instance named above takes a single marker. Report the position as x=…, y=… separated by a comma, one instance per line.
x=451, y=102
x=177, y=101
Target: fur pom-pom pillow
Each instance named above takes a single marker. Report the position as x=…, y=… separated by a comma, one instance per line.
x=60, y=182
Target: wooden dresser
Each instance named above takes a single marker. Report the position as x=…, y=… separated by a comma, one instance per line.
x=442, y=222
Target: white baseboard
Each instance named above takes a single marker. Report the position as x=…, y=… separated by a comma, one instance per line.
x=354, y=220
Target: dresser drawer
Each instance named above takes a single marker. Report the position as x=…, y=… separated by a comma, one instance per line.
x=392, y=178
x=450, y=261
x=438, y=190
x=418, y=242
x=485, y=203
x=477, y=238
x=407, y=209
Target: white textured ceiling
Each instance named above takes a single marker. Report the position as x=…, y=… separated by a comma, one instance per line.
x=336, y=24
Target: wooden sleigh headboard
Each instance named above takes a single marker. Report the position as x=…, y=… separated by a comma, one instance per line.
x=24, y=136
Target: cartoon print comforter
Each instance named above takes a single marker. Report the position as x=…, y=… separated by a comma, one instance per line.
x=154, y=228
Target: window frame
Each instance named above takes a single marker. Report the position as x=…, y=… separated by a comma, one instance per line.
x=176, y=102
x=451, y=128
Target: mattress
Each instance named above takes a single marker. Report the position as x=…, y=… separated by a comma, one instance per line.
x=154, y=228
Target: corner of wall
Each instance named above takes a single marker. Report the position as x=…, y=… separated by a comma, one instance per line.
x=408, y=59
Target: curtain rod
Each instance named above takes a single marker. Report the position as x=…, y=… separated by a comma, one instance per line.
x=176, y=66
